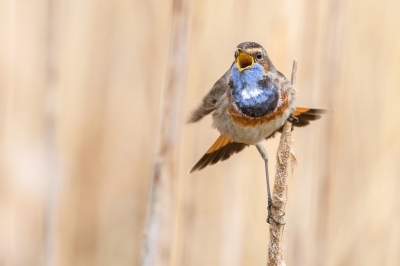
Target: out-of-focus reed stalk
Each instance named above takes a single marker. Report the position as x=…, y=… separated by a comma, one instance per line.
x=162, y=204
x=52, y=212
x=279, y=194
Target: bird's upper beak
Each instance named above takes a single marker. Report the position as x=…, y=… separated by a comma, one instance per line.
x=243, y=60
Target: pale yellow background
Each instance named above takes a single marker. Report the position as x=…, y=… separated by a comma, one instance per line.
x=80, y=92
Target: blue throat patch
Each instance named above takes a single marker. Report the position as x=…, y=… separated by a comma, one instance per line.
x=254, y=94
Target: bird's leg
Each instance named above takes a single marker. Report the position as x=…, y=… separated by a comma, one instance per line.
x=293, y=119
x=264, y=155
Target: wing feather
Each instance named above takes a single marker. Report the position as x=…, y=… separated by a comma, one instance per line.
x=212, y=97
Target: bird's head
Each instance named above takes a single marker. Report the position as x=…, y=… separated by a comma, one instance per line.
x=248, y=54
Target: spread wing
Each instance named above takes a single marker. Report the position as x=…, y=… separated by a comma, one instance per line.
x=222, y=149
x=209, y=101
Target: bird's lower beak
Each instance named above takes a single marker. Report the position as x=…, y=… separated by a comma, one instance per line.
x=244, y=61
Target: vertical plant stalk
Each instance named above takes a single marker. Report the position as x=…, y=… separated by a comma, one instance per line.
x=161, y=215
x=279, y=193
x=51, y=211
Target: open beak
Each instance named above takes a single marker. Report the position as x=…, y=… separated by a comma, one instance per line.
x=244, y=61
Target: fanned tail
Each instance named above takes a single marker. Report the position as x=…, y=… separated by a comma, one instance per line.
x=305, y=115
x=222, y=149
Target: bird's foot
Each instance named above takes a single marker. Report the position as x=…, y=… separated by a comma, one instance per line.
x=293, y=119
x=270, y=216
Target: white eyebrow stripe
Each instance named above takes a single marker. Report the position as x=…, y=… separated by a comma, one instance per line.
x=252, y=50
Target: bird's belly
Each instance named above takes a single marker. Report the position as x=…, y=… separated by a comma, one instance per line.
x=249, y=130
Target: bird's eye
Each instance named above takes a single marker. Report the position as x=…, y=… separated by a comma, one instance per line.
x=259, y=55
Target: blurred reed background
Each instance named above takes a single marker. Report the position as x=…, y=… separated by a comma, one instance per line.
x=80, y=91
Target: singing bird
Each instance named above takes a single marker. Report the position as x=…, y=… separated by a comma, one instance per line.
x=249, y=104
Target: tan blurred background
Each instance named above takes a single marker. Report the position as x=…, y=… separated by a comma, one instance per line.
x=80, y=93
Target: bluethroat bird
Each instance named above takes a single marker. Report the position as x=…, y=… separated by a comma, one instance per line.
x=249, y=104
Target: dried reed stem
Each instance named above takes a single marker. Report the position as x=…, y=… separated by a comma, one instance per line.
x=162, y=204
x=279, y=194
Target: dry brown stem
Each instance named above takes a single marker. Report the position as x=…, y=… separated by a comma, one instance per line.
x=162, y=206
x=279, y=194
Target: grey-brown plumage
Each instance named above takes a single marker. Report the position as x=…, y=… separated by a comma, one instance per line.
x=209, y=101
